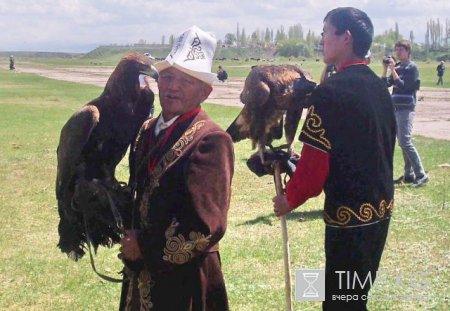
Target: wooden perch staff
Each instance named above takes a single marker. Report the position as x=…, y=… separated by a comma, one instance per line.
x=287, y=256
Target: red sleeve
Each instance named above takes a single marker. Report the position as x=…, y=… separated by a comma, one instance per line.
x=309, y=177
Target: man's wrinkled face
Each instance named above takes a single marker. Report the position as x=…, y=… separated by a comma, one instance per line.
x=179, y=92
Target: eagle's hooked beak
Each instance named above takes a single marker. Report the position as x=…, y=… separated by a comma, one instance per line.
x=152, y=72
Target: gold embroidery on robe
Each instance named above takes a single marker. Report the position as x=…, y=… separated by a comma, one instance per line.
x=314, y=129
x=180, y=251
x=167, y=160
x=131, y=277
x=144, y=283
x=366, y=213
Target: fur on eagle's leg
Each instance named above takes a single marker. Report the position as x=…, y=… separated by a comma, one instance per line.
x=291, y=150
x=110, y=180
x=293, y=117
x=261, y=149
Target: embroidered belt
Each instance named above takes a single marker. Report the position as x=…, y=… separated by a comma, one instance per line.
x=364, y=215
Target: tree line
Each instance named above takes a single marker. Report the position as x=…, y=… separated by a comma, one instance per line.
x=288, y=42
x=295, y=42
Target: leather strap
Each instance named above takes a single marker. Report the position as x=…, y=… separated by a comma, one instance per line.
x=119, y=225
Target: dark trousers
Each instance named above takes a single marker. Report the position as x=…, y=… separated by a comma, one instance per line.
x=351, y=255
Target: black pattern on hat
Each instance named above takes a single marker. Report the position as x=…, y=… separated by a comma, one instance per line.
x=176, y=45
x=195, y=52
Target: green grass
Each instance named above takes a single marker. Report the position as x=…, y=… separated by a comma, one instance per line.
x=35, y=275
x=236, y=69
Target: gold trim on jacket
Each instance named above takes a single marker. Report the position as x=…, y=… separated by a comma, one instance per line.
x=314, y=129
x=178, y=250
x=165, y=163
x=366, y=213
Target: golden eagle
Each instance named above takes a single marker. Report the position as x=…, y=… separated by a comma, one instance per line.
x=92, y=143
x=271, y=92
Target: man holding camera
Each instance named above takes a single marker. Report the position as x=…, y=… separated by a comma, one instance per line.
x=405, y=81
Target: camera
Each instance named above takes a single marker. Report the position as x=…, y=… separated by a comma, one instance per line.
x=387, y=60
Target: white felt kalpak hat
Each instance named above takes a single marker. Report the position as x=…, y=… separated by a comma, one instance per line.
x=192, y=53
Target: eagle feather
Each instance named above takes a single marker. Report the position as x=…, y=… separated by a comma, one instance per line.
x=92, y=143
x=269, y=95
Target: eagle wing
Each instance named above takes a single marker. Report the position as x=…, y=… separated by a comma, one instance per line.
x=92, y=142
x=74, y=136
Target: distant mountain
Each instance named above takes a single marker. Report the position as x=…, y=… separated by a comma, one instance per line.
x=31, y=54
x=110, y=54
x=157, y=51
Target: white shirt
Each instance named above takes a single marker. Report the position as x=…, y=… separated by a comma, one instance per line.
x=162, y=125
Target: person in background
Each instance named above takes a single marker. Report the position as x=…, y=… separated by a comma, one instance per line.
x=348, y=147
x=184, y=167
x=11, y=63
x=404, y=78
x=440, y=72
x=222, y=75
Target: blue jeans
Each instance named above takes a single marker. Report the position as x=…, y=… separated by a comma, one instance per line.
x=413, y=164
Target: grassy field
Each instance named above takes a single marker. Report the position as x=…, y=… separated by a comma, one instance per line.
x=241, y=69
x=234, y=68
x=34, y=275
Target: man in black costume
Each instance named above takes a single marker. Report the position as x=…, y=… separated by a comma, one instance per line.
x=348, y=145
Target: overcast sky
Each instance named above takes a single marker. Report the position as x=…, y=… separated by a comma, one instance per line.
x=82, y=25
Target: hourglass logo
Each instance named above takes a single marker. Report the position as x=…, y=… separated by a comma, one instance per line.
x=310, y=284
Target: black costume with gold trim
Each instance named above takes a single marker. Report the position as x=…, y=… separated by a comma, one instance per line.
x=351, y=117
x=181, y=211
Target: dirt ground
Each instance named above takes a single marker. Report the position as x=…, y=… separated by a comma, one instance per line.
x=432, y=113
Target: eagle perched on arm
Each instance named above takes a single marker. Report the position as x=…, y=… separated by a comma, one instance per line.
x=92, y=143
x=271, y=92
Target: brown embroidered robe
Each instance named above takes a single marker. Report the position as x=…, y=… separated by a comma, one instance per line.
x=181, y=213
